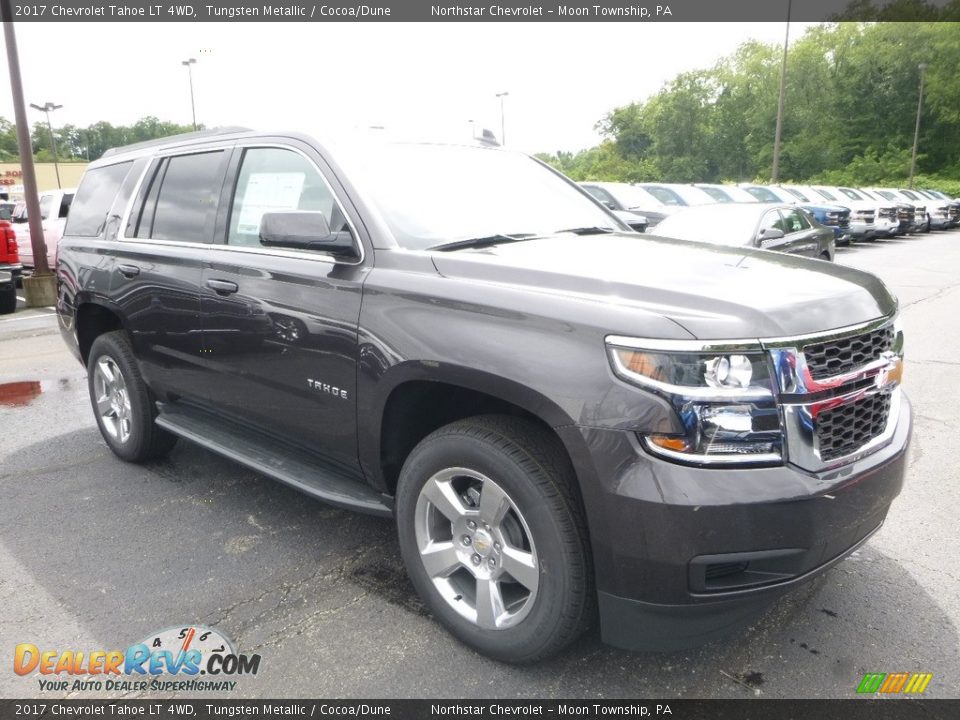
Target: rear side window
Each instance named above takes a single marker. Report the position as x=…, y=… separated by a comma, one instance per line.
x=181, y=200
x=88, y=213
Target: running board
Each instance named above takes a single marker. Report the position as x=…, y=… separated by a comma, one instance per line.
x=291, y=466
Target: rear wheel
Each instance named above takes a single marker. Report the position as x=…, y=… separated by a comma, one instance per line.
x=123, y=405
x=493, y=537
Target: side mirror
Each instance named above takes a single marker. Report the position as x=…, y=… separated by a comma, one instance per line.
x=305, y=230
x=768, y=234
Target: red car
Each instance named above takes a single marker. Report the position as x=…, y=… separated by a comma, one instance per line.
x=10, y=267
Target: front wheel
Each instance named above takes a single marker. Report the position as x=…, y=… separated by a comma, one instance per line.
x=122, y=403
x=493, y=537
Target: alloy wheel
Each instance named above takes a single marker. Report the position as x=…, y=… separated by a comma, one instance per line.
x=477, y=548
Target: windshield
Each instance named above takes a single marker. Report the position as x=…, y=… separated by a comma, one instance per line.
x=716, y=193
x=692, y=195
x=825, y=194
x=632, y=197
x=907, y=193
x=762, y=194
x=437, y=194
x=886, y=194
x=850, y=194
x=664, y=195
x=727, y=224
x=797, y=194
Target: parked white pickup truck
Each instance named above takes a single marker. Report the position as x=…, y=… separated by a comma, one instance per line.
x=54, y=207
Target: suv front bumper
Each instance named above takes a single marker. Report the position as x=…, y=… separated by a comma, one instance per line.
x=684, y=555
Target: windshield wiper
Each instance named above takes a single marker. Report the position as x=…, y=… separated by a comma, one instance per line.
x=482, y=242
x=592, y=230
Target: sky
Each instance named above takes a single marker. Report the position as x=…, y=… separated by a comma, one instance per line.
x=424, y=77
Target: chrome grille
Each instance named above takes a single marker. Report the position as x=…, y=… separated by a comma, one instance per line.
x=845, y=429
x=836, y=357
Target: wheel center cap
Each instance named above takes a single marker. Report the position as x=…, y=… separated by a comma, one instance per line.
x=482, y=542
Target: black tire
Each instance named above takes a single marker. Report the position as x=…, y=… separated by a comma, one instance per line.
x=529, y=464
x=8, y=301
x=145, y=441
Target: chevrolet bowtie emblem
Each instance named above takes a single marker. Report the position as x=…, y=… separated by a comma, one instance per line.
x=892, y=372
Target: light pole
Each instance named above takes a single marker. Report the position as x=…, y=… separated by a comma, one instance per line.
x=49, y=108
x=503, y=126
x=783, y=91
x=916, y=130
x=193, y=107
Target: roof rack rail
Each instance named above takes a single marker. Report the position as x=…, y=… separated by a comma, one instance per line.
x=183, y=137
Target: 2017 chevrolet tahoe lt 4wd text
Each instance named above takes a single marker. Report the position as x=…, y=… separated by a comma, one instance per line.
x=565, y=419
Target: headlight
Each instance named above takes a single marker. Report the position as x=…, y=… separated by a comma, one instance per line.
x=724, y=398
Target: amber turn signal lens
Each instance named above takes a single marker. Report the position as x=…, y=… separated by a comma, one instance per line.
x=666, y=442
x=641, y=363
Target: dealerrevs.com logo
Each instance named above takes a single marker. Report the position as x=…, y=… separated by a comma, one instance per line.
x=170, y=660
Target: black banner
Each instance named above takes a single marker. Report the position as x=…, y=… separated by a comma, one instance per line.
x=863, y=709
x=474, y=10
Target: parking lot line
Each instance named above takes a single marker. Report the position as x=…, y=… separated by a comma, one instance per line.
x=41, y=313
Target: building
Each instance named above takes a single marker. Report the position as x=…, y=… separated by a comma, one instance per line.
x=11, y=177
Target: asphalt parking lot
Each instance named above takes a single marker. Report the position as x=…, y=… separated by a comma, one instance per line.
x=97, y=554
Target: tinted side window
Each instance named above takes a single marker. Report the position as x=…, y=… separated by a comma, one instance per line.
x=277, y=180
x=794, y=222
x=88, y=214
x=772, y=221
x=187, y=199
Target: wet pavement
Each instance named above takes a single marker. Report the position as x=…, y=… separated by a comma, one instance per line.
x=96, y=553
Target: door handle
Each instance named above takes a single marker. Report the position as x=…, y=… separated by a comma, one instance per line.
x=128, y=271
x=222, y=287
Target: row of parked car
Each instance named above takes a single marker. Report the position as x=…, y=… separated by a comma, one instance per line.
x=801, y=219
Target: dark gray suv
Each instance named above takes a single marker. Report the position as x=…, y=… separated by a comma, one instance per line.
x=565, y=419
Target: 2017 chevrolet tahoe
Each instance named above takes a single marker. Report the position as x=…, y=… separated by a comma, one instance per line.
x=568, y=422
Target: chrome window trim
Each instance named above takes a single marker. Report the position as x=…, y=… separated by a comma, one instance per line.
x=274, y=252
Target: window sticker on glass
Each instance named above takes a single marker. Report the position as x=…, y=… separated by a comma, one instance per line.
x=268, y=192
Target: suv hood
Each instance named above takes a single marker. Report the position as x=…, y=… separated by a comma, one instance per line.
x=714, y=292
